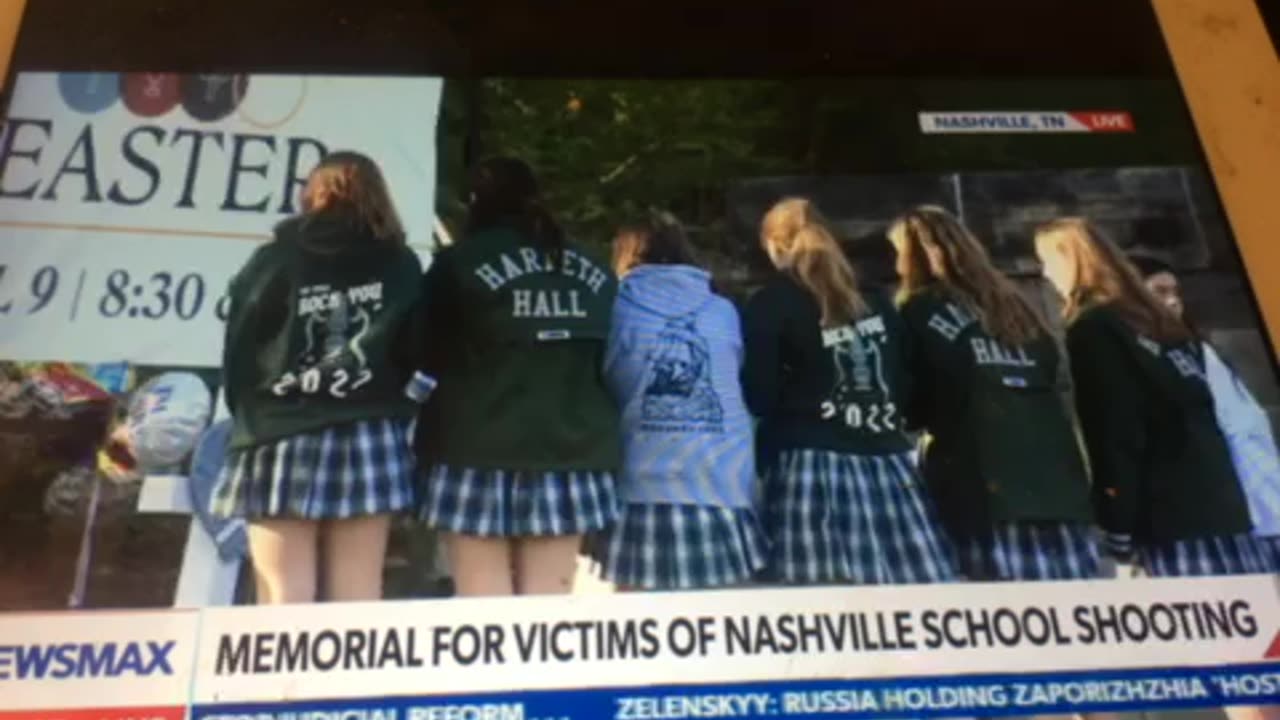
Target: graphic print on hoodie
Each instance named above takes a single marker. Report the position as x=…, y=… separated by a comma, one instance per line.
x=335, y=323
x=679, y=388
x=673, y=361
x=861, y=397
x=316, y=332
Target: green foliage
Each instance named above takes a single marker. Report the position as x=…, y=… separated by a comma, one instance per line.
x=607, y=150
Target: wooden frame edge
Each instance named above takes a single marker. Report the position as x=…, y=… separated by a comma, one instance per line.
x=1230, y=75
x=10, y=19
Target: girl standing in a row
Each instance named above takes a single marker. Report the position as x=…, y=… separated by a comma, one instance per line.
x=520, y=441
x=1162, y=473
x=319, y=345
x=688, y=473
x=1002, y=460
x=1244, y=423
x=825, y=373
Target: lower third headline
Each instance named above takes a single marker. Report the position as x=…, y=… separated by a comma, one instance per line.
x=729, y=635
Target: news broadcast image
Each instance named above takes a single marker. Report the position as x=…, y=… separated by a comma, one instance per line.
x=511, y=396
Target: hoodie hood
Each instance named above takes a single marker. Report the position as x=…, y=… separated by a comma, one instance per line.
x=330, y=235
x=667, y=290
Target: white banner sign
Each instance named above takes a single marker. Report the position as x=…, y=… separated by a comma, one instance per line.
x=985, y=122
x=127, y=201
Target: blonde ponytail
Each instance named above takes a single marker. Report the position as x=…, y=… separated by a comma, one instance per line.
x=801, y=244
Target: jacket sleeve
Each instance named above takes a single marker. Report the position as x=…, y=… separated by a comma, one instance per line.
x=255, y=306
x=614, y=347
x=918, y=386
x=407, y=347
x=1109, y=407
x=237, y=338
x=762, y=328
x=438, y=315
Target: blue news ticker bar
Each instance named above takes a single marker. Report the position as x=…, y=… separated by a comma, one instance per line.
x=983, y=695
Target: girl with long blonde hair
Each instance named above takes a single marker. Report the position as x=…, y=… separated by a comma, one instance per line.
x=1164, y=485
x=825, y=373
x=1002, y=461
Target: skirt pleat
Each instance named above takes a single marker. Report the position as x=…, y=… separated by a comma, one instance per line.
x=1202, y=557
x=1031, y=552
x=834, y=517
x=513, y=503
x=351, y=470
x=677, y=547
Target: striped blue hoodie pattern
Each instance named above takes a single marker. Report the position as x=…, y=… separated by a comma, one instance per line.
x=673, y=363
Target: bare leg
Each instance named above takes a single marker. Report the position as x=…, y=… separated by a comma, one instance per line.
x=481, y=566
x=546, y=565
x=284, y=560
x=355, y=552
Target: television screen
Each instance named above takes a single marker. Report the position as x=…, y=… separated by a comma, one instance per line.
x=922, y=390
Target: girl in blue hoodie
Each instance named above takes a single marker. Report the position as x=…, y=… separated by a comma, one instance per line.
x=688, y=477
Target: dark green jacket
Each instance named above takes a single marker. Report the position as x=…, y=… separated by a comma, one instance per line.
x=1002, y=447
x=517, y=345
x=1161, y=467
x=841, y=389
x=319, y=330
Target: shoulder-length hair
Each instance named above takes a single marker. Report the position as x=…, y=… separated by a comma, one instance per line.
x=350, y=182
x=658, y=239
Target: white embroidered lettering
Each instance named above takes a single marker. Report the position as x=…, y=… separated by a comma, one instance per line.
x=489, y=276
x=521, y=301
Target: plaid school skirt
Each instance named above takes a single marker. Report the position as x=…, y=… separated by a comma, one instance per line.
x=680, y=547
x=1029, y=552
x=346, y=471
x=515, y=503
x=1202, y=557
x=834, y=518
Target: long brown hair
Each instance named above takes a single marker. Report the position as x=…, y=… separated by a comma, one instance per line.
x=801, y=244
x=1104, y=275
x=936, y=250
x=351, y=182
x=659, y=239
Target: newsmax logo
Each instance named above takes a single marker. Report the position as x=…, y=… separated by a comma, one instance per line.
x=82, y=661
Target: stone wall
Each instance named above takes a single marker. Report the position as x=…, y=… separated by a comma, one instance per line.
x=1169, y=211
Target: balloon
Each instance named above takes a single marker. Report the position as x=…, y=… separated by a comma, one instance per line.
x=166, y=417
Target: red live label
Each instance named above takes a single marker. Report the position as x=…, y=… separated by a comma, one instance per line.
x=132, y=713
x=1105, y=121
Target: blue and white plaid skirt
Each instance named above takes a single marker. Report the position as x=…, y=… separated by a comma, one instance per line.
x=835, y=518
x=680, y=547
x=1030, y=552
x=515, y=503
x=1202, y=557
x=345, y=471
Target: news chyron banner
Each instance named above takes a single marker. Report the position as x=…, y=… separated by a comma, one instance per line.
x=127, y=200
x=96, y=666
x=956, y=650
x=1000, y=123
x=893, y=652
